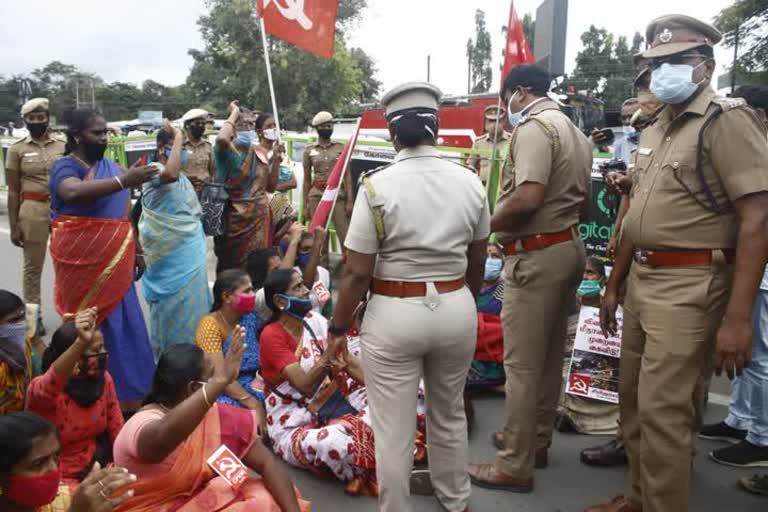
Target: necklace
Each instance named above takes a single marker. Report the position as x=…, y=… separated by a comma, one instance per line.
x=80, y=161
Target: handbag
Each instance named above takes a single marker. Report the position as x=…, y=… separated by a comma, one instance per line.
x=213, y=203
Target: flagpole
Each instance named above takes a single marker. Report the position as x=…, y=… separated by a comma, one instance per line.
x=269, y=72
x=343, y=172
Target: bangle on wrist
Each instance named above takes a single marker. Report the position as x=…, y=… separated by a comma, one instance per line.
x=119, y=182
x=205, y=396
x=243, y=398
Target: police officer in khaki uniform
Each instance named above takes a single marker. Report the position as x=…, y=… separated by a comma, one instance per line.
x=318, y=162
x=495, y=135
x=545, y=188
x=692, y=253
x=27, y=168
x=418, y=238
x=197, y=152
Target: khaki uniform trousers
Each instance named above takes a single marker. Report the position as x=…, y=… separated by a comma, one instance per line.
x=403, y=340
x=34, y=225
x=339, y=217
x=671, y=317
x=539, y=287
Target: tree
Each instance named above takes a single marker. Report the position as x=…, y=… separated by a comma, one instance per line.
x=479, y=55
x=529, y=29
x=231, y=65
x=605, y=67
x=743, y=25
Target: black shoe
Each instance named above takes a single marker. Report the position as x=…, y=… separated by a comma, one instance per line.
x=757, y=484
x=421, y=483
x=742, y=455
x=610, y=454
x=722, y=432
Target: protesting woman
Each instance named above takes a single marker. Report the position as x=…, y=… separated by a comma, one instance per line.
x=30, y=476
x=77, y=394
x=175, y=281
x=18, y=362
x=94, y=249
x=249, y=178
x=168, y=442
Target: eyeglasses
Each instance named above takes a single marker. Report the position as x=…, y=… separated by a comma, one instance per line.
x=679, y=58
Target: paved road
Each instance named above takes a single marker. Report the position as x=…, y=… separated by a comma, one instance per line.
x=567, y=486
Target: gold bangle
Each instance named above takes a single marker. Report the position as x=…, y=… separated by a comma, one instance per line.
x=246, y=397
x=205, y=395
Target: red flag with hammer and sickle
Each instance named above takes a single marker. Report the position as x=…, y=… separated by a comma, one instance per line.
x=308, y=24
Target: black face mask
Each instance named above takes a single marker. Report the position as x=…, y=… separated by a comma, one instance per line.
x=94, y=151
x=37, y=129
x=325, y=133
x=87, y=389
x=196, y=131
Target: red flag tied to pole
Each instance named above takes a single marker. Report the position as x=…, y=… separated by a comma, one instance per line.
x=517, y=50
x=324, y=209
x=308, y=24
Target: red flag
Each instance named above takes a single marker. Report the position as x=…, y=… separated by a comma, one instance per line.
x=308, y=24
x=323, y=210
x=517, y=50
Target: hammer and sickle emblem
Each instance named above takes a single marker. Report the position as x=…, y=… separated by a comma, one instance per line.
x=664, y=37
x=229, y=467
x=292, y=10
x=580, y=386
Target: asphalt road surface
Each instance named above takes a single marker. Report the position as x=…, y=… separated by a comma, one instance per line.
x=566, y=486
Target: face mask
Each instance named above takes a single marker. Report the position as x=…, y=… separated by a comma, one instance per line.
x=95, y=369
x=302, y=260
x=246, y=302
x=16, y=332
x=245, y=138
x=589, y=289
x=33, y=491
x=196, y=131
x=325, y=133
x=649, y=104
x=673, y=83
x=94, y=151
x=37, y=129
x=493, y=269
x=183, y=155
x=297, y=308
x=271, y=134
x=514, y=117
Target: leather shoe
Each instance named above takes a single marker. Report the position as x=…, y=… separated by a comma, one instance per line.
x=617, y=504
x=540, y=458
x=488, y=477
x=609, y=454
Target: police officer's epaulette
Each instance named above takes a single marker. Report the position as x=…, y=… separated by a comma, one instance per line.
x=371, y=172
x=729, y=103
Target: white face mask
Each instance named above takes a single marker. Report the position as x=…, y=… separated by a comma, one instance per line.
x=271, y=134
x=514, y=117
x=673, y=83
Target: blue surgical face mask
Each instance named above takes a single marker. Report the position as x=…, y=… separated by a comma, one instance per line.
x=673, y=83
x=514, y=117
x=297, y=307
x=15, y=332
x=589, y=289
x=245, y=138
x=183, y=155
x=493, y=269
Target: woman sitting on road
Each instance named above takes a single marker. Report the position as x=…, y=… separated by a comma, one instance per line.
x=77, y=394
x=30, y=472
x=168, y=442
x=18, y=361
x=317, y=407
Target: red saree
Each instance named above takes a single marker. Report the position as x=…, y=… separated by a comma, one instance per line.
x=93, y=260
x=192, y=486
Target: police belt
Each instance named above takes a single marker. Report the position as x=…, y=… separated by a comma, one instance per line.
x=405, y=289
x=36, y=196
x=678, y=258
x=540, y=241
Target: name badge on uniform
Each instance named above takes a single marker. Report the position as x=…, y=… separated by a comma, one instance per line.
x=190, y=152
x=27, y=155
x=314, y=152
x=644, y=151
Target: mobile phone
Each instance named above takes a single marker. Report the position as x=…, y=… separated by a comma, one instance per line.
x=608, y=134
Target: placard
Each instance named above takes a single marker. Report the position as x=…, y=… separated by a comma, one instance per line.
x=228, y=466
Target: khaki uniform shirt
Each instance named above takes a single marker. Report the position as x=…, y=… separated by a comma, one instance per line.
x=483, y=163
x=320, y=159
x=662, y=213
x=31, y=161
x=560, y=159
x=432, y=210
x=199, y=165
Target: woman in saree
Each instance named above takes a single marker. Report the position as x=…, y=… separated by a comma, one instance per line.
x=317, y=407
x=249, y=177
x=168, y=442
x=175, y=281
x=94, y=249
x=18, y=361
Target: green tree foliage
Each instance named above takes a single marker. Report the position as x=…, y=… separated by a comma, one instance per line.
x=529, y=29
x=745, y=21
x=605, y=67
x=231, y=65
x=479, y=55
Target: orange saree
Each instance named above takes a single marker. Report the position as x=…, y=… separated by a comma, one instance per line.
x=192, y=486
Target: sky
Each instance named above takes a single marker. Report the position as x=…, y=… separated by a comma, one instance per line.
x=135, y=40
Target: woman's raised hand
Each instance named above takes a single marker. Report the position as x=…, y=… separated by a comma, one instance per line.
x=85, y=323
x=231, y=369
x=139, y=174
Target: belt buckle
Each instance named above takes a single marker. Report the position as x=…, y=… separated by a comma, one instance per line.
x=641, y=256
